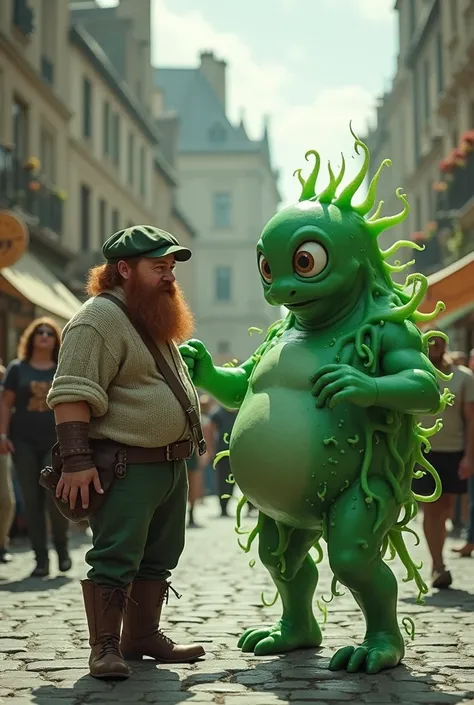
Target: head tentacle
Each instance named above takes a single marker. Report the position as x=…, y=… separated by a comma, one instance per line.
x=368, y=204
x=379, y=225
x=309, y=185
x=345, y=198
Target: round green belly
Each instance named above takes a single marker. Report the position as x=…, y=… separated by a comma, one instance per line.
x=291, y=459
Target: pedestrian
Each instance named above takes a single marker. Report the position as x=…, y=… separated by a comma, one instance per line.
x=7, y=495
x=471, y=360
x=223, y=421
x=27, y=431
x=110, y=397
x=459, y=357
x=452, y=455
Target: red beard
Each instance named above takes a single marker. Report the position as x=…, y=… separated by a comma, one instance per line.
x=161, y=309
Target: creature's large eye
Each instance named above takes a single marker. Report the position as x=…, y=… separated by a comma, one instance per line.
x=264, y=268
x=310, y=259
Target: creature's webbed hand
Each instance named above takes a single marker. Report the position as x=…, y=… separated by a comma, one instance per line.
x=336, y=383
x=199, y=362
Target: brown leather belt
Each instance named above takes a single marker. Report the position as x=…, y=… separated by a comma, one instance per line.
x=134, y=455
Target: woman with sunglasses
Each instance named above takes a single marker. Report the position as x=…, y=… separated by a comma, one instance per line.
x=27, y=431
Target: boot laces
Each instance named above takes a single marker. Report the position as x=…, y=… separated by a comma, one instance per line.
x=116, y=597
x=164, y=597
x=162, y=636
x=109, y=645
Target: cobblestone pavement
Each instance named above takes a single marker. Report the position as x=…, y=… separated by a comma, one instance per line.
x=43, y=637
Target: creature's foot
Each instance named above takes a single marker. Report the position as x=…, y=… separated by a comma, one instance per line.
x=281, y=638
x=382, y=650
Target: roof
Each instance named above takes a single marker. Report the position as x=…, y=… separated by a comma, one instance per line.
x=204, y=126
x=100, y=61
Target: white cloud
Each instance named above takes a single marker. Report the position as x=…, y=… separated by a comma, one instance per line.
x=251, y=85
x=322, y=124
x=374, y=10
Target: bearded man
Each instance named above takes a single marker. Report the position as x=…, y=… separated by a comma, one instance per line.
x=108, y=388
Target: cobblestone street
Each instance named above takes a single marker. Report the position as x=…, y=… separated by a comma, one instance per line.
x=44, y=650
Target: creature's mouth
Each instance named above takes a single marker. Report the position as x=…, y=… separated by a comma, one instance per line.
x=301, y=304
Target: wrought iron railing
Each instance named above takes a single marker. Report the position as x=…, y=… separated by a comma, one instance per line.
x=21, y=187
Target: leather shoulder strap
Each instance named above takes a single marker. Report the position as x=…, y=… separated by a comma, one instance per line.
x=171, y=378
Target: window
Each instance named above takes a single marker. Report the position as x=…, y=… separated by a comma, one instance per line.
x=115, y=221
x=416, y=116
x=418, y=215
x=47, y=155
x=217, y=133
x=223, y=283
x=455, y=137
x=430, y=201
x=116, y=139
x=426, y=90
x=86, y=108
x=48, y=39
x=440, y=62
x=106, y=128
x=131, y=158
x=223, y=347
x=85, y=218
x=142, y=172
x=103, y=233
x=23, y=17
x=222, y=210
x=453, y=6
x=20, y=128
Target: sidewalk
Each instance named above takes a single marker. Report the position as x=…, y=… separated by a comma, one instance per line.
x=44, y=650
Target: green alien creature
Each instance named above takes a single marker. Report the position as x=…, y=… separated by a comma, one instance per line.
x=326, y=440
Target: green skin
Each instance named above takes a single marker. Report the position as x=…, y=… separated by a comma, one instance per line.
x=315, y=419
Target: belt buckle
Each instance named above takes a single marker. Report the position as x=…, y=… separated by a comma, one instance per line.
x=168, y=453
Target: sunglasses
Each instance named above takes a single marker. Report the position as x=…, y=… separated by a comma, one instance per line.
x=45, y=331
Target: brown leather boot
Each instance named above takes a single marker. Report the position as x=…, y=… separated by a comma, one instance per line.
x=105, y=606
x=141, y=635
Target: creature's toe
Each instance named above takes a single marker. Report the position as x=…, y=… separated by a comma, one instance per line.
x=375, y=654
x=252, y=639
x=341, y=658
x=269, y=645
x=242, y=639
x=357, y=659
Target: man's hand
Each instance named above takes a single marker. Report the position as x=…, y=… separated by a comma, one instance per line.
x=72, y=482
x=334, y=384
x=6, y=447
x=199, y=362
x=466, y=468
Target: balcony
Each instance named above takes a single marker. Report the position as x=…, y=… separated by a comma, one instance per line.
x=460, y=187
x=23, y=17
x=22, y=189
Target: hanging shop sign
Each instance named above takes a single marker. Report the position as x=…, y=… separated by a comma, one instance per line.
x=13, y=238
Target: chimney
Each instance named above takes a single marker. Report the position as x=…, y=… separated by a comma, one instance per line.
x=214, y=70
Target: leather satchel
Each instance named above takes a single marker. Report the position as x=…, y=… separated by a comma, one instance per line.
x=106, y=458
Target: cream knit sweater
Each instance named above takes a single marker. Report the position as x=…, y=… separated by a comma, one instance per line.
x=104, y=362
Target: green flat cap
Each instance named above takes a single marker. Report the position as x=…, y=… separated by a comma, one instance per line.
x=143, y=241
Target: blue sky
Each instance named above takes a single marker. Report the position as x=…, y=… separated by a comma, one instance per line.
x=311, y=65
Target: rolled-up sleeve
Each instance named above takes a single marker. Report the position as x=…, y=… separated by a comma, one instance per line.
x=86, y=367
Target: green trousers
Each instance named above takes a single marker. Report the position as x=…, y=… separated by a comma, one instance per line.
x=139, y=531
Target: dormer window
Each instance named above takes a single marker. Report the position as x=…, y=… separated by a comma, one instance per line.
x=217, y=133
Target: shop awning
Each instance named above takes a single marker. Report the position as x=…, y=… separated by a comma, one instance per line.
x=32, y=279
x=454, y=285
